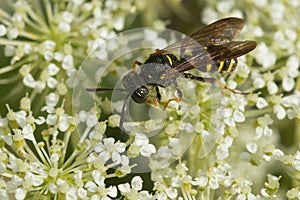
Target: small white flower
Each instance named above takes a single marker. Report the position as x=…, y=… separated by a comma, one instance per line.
x=28, y=132
x=98, y=181
x=238, y=116
x=293, y=193
x=289, y=72
x=63, y=123
x=222, y=152
x=279, y=111
x=91, y=120
x=265, y=56
x=251, y=147
x=51, y=82
x=142, y=141
x=172, y=193
x=68, y=63
x=147, y=150
x=260, y=3
x=261, y=103
x=82, y=115
x=213, y=183
x=48, y=55
x=278, y=154
x=72, y=193
x=20, y=194
x=36, y=180
x=21, y=118
x=67, y=16
x=272, y=87
x=64, y=27
x=3, y=30
x=136, y=184
x=101, y=54
x=40, y=86
x=164, y=152
x=82, y=193
x=119, y=23
x=9, y=50
x=49, y=45
x=12, y=33
x=201, y=181
x=241, y=197
x=52, y=99
x=263, y=129
x=53, y=69
x=114, y=120
x=277, y=10
x=296, y=161
x=29, y=81
x=109, y=149
x=51, y=119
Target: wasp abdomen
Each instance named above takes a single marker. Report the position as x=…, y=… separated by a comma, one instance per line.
x=228, y=65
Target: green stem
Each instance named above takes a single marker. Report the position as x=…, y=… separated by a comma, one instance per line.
x=197, y=148
x=16, y=42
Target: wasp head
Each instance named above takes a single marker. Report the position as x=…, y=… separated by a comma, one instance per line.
x=140, y=95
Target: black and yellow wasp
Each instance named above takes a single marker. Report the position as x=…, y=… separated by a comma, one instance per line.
x=209, y=49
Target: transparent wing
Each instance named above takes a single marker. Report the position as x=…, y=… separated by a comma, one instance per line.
x=220, y=32
x=209, y=45
x=215, y=53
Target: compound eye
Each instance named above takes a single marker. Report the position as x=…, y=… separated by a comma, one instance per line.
x=140, y=95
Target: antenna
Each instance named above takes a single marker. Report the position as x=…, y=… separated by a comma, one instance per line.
x=104, y=89
x=124, y=107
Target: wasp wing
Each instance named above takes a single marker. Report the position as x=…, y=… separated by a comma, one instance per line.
x=214, y=54
x=231, y=50
x=220, y=32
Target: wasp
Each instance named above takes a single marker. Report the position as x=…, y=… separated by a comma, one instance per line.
x=209, y=49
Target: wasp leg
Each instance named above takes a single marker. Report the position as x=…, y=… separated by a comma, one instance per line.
x=151, y=101
x=158, y=95
x=213, y=80
x=136, y=62
x=177, y=99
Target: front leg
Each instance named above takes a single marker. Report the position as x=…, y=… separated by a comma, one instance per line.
x=158, y=95
x=177, y=99
x=213, y=80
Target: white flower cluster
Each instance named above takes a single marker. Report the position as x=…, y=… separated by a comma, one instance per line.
x=211, y=143
x=271, y=73
x=47, y=48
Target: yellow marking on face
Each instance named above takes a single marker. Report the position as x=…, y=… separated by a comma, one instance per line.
x=208, y=67
x=169, y=59
x=230, y=65
x=221, y=66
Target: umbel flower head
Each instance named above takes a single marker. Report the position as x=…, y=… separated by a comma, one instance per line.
x=213, y=144
x=44, y=168
x=46, y=41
